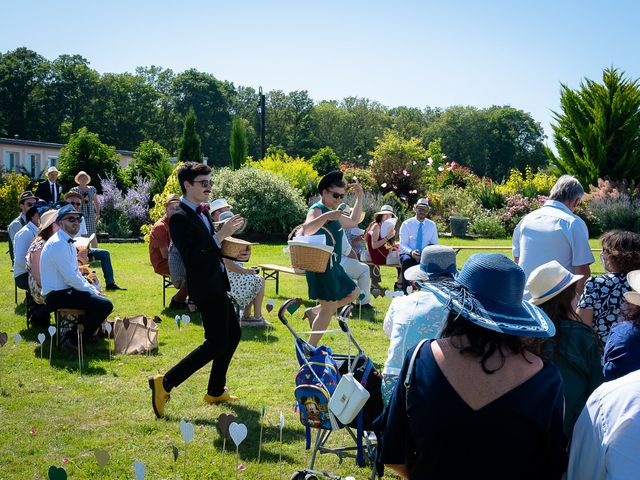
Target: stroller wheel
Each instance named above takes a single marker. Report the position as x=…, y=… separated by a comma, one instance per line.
x=299, y=475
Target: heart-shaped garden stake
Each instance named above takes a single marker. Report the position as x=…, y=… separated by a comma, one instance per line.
x=186, y=429
x=17, y=338
x=139, y=470
x=269, y=306
x=102, y=457
x=388, y=293
x=41, y=339
x=224, y=420
x=51, y=330
x=174, y=449
x=186, y=319
x=3, y=338
x=409, y=290
x=57, y=473
x=293, y=307
x=237, y=432
x=178, y=321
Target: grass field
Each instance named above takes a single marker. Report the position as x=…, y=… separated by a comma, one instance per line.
x=50, y=413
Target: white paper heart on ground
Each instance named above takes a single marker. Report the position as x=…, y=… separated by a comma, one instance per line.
x=178, y=320
x=186, y=319
x=237, y=432
x=41, y=337
x=388, y=293
x=399, y=293
x=281, y=421
x=186, y=429
x=51, y=330
x=17, y=338
x=139, y=470
x=409, y=290
x=270, y=305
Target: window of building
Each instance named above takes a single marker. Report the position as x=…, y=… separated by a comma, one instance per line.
x=11, y=161
x=34, y=167
x=52, y=161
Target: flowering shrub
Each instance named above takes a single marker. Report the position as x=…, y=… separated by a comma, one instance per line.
x=452, y=173
x=488, y=225
x=529, y=185
x=364, y=176
x=617, y=212
x=608, y=189
x=517, y=207
x=122, y=215
x=453, y=201
x=297, y=171
x=487, y=193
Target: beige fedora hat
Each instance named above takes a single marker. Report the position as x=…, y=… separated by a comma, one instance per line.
x=47, y=219
x=548, y=280
x=385, y=209
x=80, y=174
x=633, y=296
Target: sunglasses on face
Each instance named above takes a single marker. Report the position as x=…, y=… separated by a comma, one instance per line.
x=337, y=195
x=203, y=183
x=72, y=219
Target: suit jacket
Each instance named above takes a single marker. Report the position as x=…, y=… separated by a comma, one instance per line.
x=43, y=191
x=206, y=280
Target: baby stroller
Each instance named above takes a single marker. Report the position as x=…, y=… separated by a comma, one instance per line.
x=320, y=371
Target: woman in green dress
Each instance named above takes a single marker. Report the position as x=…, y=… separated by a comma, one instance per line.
x=332, y=288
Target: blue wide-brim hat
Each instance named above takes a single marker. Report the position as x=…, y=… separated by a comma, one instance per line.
x=488, y=292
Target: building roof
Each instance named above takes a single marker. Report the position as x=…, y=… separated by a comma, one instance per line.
x=33, y=143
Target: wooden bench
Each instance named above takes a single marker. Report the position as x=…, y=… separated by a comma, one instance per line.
x=458, y=248
x=271, y=271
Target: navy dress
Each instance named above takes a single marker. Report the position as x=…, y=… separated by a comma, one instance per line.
x=518, y=435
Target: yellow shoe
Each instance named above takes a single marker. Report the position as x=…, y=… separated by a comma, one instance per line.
x=224, y=398
x=159, y=396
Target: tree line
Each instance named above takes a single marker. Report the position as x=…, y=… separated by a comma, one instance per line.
x=48, y=100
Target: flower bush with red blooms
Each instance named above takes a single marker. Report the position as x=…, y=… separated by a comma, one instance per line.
x=452, y=173
x=517, y=207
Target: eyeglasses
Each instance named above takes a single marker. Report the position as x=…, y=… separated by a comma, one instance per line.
x=72, y=219
x=203, y=183
x=337, y=195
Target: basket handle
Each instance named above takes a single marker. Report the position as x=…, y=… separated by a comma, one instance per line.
x=333, y=240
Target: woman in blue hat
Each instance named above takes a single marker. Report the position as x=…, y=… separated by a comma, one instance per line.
x=478, y=402
x=332, y=288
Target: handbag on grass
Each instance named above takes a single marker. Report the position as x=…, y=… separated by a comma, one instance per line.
x=393, y=258
x=137, y=334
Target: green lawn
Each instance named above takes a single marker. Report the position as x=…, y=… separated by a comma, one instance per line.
x=108, y=407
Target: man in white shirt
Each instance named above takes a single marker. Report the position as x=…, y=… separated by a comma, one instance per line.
x=554, y=232
x=25, y=202
x=606, y=438
x=415, y=234
x=62, y=284
x=357, y=270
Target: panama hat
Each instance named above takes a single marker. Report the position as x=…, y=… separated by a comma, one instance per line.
x=24, y=196
x=548, y=280
x=634, y=282
x=435, y=261
x=80, y=174
x=385, y=209
x=171, y=199
x=422, y=202
x=346, y=210
x=488, y=292
x=52, y=170
x=217, y=204
x=47, y=219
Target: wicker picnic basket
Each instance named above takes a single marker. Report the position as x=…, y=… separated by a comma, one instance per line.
x=308, y=256
x=234, y=247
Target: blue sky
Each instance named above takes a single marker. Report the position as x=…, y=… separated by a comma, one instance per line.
x=414, y=53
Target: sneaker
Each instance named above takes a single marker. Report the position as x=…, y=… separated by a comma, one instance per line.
x=224, y=398
x=159, y=396
x=113, y=286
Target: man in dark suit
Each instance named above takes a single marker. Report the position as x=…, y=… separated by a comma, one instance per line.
x=200, y=246
x=49, y=190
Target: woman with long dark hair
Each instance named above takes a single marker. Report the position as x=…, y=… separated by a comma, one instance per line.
x=380, y=246
x=575, y=349
x=478, y=402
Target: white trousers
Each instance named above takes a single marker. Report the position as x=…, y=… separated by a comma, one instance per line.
x=360, y=274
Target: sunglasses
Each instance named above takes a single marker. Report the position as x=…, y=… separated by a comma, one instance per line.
x=337, y=195
x=72, y=219
x=204, y=183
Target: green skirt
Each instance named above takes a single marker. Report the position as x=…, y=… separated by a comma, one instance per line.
x=330, y=286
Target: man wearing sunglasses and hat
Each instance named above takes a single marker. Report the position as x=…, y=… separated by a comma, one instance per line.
x=62, y=284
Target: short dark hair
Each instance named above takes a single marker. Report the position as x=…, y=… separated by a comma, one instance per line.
x=623, y=248
x=188, y=171
x=483, y=343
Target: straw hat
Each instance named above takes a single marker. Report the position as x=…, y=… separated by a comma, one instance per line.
x=171, y=199
x=385, y=209
x=52, y=170
x=422, y=202
x=47, y=219
x=488, y=292
x=634, y=282
x=548, y=280
x=435, y=261
x=217, y=204
x=80, y=174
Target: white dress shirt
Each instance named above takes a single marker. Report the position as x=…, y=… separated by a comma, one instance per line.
x=606, y=438
x=59, y=266
x=21, y=243
x=409, y=234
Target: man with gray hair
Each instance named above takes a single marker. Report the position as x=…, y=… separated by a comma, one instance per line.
x=554, y=232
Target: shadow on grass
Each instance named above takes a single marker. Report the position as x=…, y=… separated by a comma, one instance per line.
x=172, y=312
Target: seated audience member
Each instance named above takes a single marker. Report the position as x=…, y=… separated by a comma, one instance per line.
x=380, y=247
x=603, y=295
x=606, y=438
x=416, y=233
x=41, y=315
x=247, y=286
x=62, y=284
x=411, y=318
x=622, y=352
x=358, y=271
x=84, y=263
x=217, y=207
x=100, y=254
x=355, y=236
x=575, y=349
x=477, y=402
x=25, y=202
x=159, y=240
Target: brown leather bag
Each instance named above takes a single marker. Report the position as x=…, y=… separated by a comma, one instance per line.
x=137, y=334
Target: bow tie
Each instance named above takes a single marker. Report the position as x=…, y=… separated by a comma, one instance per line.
x=203, y=207
x=71, y=240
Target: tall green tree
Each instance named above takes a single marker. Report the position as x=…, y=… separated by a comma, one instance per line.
x=85, y=151
x=597, y=131
x=238, y=143
x=190, y=143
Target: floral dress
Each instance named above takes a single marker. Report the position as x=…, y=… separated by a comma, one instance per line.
x=605, y=295
x=88, y=207
x=34, y=288
x=244, y=286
